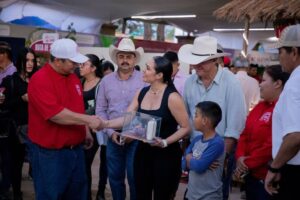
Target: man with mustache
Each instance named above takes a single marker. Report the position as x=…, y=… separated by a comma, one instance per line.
x=115, y=93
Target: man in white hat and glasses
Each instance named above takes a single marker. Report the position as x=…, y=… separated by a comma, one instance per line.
x=58, y=129
x=115, y=93
x=212, y=83
x=284, y=171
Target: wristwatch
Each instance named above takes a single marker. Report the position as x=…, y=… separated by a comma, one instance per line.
x=274, y=170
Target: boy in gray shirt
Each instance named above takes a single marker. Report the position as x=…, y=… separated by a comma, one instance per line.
x=205, y=183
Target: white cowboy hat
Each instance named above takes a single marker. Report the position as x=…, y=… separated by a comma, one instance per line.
x=125, y=45
x=203, y=49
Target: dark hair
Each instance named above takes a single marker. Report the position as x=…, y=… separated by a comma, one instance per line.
x=171, y=56
x=211, y=110
x=164, y=66
x=21, y=62
x=276, y=73
x=137, y=67
x=107, y=65
x=6, y=48
x=253, y=66
x=96, y=62
x=289, y=49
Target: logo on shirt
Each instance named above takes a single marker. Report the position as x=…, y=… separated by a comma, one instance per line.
x=266, y=117
x=78, y=89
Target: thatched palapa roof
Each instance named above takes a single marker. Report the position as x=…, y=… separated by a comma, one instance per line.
x=259, y=10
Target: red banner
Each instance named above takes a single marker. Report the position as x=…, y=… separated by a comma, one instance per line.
x=40, y=47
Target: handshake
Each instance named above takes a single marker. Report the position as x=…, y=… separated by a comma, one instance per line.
x=96, y=123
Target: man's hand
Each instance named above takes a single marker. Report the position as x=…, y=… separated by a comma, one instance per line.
x=230, y=144
x=127, y=140
x=95, y=123
x=117, y=138
x=271, y=182
x=89, y=140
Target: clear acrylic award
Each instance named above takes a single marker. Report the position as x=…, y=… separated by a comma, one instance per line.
x=141, y=126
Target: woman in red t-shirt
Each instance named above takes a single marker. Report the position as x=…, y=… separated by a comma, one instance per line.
x=254, y=149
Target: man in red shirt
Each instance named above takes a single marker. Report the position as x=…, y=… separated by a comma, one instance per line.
x=57, y=126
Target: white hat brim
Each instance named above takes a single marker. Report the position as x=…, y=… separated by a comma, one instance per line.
x=113, y=53
x=275, y=45
x=79, y=58
x=185, y=55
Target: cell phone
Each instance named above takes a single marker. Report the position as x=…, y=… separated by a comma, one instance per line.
x=121, y=140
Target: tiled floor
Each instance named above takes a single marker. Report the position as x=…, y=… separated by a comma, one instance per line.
x=28, y=192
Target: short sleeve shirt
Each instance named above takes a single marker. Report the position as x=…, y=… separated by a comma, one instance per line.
x=286, y=115
x=49, y=93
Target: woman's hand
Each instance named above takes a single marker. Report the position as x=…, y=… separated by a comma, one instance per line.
x=158, y=142
x=241, y=167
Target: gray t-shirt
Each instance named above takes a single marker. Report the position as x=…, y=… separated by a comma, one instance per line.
x=203, y=182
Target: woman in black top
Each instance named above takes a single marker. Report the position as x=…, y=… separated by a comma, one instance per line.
x=158, y=166
x=91, y=73
x=16, y=102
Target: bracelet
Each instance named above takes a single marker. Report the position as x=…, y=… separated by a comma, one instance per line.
x=165, y=144
x=274, y=170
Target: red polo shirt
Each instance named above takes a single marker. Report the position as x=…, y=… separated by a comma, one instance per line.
x=49, y=93
x=256, y=139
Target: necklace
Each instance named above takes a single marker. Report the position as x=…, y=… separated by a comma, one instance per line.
x=155, y=92
x=91, y=80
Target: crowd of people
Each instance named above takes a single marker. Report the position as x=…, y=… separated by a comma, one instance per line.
x=57, y=117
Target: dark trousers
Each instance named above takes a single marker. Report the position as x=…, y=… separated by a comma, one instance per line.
x=289, y=188
x=18, y=160
x=157, y=171
x=227, y=174
x=89, y=158
x=255, y=189
x=12, y=154
x=5, y=164
x=102, y=171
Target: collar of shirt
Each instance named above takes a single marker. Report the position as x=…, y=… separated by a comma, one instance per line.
x=131, y=75
x=8, y=68
x=241, y=73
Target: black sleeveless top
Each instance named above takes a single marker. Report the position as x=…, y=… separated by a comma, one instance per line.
x=168, y=123
x=87, y=96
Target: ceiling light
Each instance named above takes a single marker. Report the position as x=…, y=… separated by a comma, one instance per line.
x=242, y=29
x=147, y=17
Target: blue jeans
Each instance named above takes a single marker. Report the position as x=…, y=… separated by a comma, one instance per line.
x=119, y=160
x=58, y=174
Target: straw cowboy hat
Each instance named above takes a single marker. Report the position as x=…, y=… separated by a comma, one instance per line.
x=203, y=49
x=125, y=45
